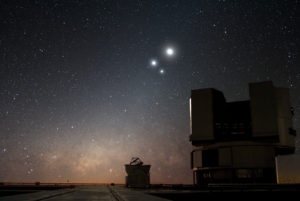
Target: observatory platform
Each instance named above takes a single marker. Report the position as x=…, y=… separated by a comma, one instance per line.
x=103, y=193
x=158, y=193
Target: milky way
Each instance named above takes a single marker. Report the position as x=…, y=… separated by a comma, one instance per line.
x=79, y=96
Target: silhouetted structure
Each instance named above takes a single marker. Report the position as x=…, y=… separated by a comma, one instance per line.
x=138, y=174
x=238, y=141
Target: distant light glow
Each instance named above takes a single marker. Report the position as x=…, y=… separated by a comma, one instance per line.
x=161, y=71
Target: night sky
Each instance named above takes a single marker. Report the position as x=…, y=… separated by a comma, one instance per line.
x=86, y=85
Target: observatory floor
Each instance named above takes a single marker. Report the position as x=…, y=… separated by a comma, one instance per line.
x=102, y=193
x=177, y=193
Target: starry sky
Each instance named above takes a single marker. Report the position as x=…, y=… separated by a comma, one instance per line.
x=80, y=94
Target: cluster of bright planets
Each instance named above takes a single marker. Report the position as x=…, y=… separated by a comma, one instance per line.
x=169, y=52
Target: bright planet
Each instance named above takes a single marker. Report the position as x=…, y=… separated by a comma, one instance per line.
x=170, y=51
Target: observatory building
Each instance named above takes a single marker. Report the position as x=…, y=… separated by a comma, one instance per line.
x=138, y=174
x=237, y=142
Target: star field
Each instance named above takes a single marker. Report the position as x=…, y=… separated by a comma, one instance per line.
x=86, y=85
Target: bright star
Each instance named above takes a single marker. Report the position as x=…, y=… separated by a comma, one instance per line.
x=153, y=62
x=161, y=71
x=170, y=51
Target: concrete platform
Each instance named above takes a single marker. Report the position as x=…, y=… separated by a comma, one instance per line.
x=134, y=195
x=102, y=193
x=40, y=195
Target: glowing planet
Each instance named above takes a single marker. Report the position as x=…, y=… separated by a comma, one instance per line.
x=170, y=51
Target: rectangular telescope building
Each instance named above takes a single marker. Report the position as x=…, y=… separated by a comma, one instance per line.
x=236, y=142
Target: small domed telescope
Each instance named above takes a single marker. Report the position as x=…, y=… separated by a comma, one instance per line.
x=138, y=174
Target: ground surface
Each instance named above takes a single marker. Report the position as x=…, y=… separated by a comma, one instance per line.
x=85, y=193
x=175, y=193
